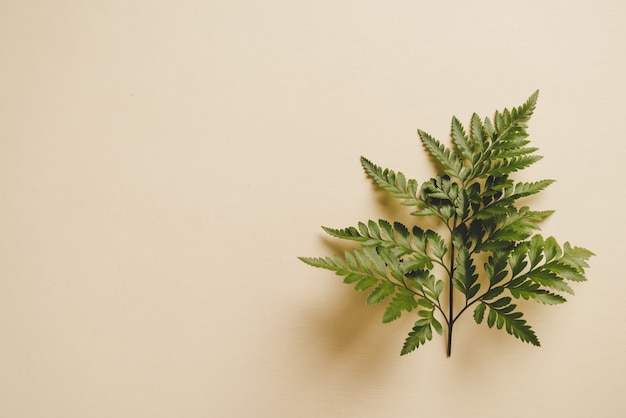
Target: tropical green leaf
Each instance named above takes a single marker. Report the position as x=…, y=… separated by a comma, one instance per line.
x=384, y=289
x=551, y=249
x=576, y=257
x=365, y=283
x=394, y=183
x=526, y=189
x=479, y=312
x=427, y=211
x=325, y=262
x=396, y=237
x=535, y=250
x=502, y=314
x=530, y=290
x=442, y=154
x=460, y=139
x=422, y=331
x=517, y=258
x=516, y=226
x=566, y=271
x=475, y=220
x=478, y=135
x=402, y=301
x=436, y=244
x=549, y=279
x=510, y=165
x=516, y=152
x=515, y=118
x=496, y=267
x=465, y=277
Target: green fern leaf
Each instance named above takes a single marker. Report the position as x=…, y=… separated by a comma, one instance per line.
x=479, y=134
x=395, y=238
x=461, y=140
x=465, y=277
x=510, y=165
x=517, y=259
x=496, y=267
x=432, y=287
x=448, y=159
x=525, y=189
x=402, y=301
x=325, y=263
x=566, y=271
x=517, y=226
x=502, y=314
x=576, y=257
x=529, y=290
x=506, y=119
x=436, y=244
x=350, y=233
x=474, y=200
x=479, y=313
x=549, y=279
x=394, y=183
x=384, y=289
x=422, y=332
x=367, y=282
x=514, y=151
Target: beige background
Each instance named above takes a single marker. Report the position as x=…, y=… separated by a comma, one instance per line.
x=162, y=164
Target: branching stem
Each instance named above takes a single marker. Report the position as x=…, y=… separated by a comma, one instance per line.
x=474, y=199
x=451, y=287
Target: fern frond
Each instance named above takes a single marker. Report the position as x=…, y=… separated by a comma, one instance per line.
x=502, y=314
x=442, y=154
x=530, y=290
x=507, y=197
x=420, y=247
x=515, y=152
x=515, y=117
x=327, y=263
x=461, y=140
x=402, y=301
x=384, y=289
x=372, y=233
x=576, y=257
x=509, y=165
x=394, y=183
x=516, y=225
x=474, y=199
x=465, y=277
x=479, y=135
x=422, y=332
x=525, y=111
x=525, y=189
x=547, y=278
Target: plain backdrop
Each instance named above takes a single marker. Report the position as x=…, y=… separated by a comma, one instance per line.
x=163, y=163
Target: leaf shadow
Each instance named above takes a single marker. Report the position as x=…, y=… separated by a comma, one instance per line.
x=351, y=335
x=350, y=332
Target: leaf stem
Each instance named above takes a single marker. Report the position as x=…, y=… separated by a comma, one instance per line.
x=451, y=287
x=467, y=305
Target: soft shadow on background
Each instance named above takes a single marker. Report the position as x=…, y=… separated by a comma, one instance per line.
x=346, y=325
x=162, y=165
